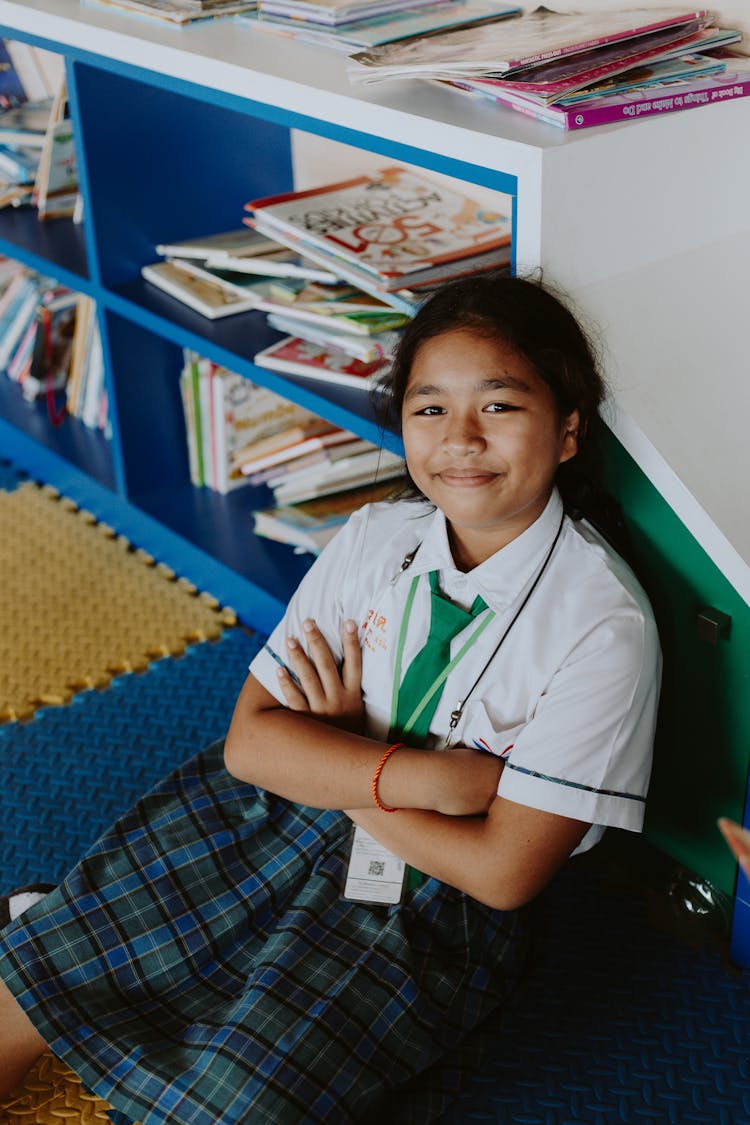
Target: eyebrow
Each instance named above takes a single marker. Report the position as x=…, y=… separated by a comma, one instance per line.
x=506, y=383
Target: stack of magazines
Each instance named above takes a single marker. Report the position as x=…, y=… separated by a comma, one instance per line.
x=177, y=12
x=353, y=27
x=576, y=70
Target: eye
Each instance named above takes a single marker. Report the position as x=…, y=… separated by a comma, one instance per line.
x=500, y=408
x=429, y=411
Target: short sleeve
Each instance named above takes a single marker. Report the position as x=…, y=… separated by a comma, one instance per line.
x=586, y=752
x=321, y=595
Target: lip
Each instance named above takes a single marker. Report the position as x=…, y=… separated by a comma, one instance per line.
x=466, y=478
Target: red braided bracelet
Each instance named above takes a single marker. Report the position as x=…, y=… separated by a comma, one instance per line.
x=376, y=777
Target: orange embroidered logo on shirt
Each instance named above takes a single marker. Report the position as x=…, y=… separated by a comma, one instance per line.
x=374, y=631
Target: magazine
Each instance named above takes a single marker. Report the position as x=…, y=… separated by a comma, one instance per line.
x=310, y=525
x=401, y=24
x=554, y=81
x=390, y=225
x=513, y=44
x=378, y=346
x=294, y=356
x=335, y=11
x=242, y=242
x=205, y=296
x=667, y=96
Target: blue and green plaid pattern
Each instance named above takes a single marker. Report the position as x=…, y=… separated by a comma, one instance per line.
x=199, y=965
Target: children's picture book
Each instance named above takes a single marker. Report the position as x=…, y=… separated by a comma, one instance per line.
x=335, y=11
x=12, y=91
x=554, y=81
x=500, y=48
x=280, y=262
x=390, y=224
x=380, y=345
x=294, y=356
x=26, y=124
x=311, y=525
x=273, y=475
x=405, y=23
x=175, y=11
x=307, y=444
x=235, y=243
x=206, y=296
x=667, y=96
x=352, y=312
x=363, y=468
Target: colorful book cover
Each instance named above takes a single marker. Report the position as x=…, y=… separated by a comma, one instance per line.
x=405, y=23
x=294, y=356
x=513, y=44
x=390, y=224
x=648, y=101
x=555, y=81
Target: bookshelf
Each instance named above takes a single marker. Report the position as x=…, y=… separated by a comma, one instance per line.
x=645, y=225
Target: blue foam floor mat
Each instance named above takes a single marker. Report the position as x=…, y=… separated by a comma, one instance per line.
x=70, y=771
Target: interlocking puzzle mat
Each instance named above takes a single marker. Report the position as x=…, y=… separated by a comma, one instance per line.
x=80, y=605
x=71, y=771
x=106, y=748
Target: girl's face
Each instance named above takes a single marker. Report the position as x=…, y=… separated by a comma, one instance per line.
x=483, y=439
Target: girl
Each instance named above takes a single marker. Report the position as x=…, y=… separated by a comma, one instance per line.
x=232, y=950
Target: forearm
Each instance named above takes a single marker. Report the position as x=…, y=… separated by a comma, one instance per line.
x=314, y=763
x=503, y=859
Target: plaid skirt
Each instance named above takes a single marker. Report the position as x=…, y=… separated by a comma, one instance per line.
x=199, y=964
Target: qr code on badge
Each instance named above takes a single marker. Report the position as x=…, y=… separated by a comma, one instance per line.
x=377, y=867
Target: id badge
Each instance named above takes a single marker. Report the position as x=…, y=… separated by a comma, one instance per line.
x=374, y=874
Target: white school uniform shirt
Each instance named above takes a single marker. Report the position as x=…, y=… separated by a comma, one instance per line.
x=568, y=702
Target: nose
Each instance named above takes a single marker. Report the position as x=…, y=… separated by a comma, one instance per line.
x=463, y=434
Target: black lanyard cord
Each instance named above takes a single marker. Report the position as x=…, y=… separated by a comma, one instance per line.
x=456, y=714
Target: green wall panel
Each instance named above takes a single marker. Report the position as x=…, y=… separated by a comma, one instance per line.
x=703, y=736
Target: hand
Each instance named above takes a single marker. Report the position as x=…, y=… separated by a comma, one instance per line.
x=323, y=690
x=738, y=839
x=467, y=781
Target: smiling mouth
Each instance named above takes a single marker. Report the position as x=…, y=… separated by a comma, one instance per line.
x=466, y=478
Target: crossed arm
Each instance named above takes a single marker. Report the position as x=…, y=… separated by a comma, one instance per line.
x=451, y=824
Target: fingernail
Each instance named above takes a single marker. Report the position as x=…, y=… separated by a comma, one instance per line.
x=291, y=643
x=308, y=625
x=350, y=626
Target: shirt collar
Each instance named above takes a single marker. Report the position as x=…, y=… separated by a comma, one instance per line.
x=500, y=578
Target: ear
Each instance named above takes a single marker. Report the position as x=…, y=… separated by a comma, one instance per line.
x=569, y=436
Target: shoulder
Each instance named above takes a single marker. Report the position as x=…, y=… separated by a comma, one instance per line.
x=601, y=576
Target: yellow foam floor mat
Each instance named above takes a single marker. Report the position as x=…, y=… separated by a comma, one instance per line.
x=53, y=1095
x=81, y=605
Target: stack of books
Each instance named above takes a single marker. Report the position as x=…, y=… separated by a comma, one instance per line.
x=309, y=526
x=26, y=101
x=49, y=342
x=177, y=12
x=393, y=233
x=353, y=27
x=576, y=71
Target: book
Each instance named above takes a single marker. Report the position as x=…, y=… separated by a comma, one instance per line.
x=207, y=296
x=309, y=526
x=365, y=468
x=405, y=23
x=174, y=11
x=280, y=262
x=301, y=357
x=242, y=242
x=274, y=474
x=18, y=165
x=366, y=348
x=287, y=452
x=555, y=81
x=334, y=11
x=346, y=314
x=669, y=96
x=498, y=49
x=388, y=225
x=33, y=69
x=26, y=124
x=12, y=90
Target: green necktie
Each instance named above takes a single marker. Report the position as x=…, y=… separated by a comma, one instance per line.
x=446, y=622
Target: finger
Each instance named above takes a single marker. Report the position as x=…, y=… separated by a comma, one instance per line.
x=304, y=669
x=738, y=839
x=351, y=671
x=294, y=697
x=322, y=658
